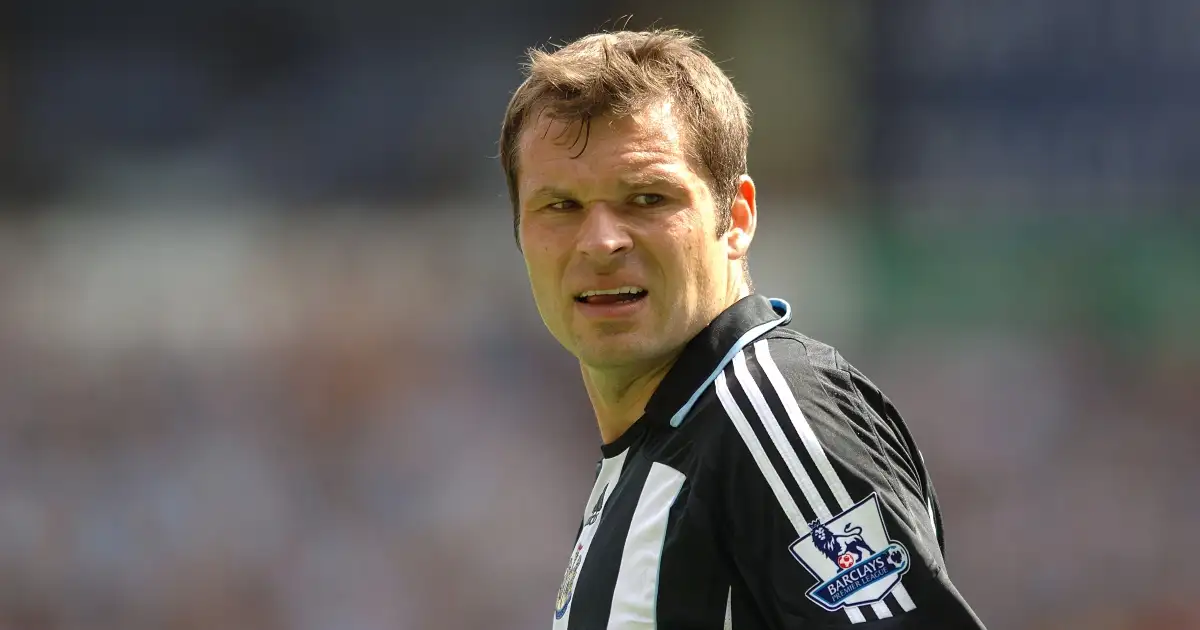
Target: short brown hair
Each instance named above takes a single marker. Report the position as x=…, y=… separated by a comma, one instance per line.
x=618, y=74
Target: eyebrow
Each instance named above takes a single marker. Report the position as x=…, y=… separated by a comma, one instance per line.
x=646, y=180
x=551, y=192
x=631, y=181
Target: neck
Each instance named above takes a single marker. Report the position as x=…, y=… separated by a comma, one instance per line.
x=619, y=397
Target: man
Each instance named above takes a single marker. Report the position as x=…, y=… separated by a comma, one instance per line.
x=751, y=478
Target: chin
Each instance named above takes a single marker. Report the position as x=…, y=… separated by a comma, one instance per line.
x=615, y=351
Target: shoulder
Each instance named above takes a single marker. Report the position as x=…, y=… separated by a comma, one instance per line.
x=792, y=407
x=778, y=376
x=810, y=456
x=802, y=358
x=788, y=384
x=803, y=376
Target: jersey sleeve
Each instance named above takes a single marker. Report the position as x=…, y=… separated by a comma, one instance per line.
x=829, y=515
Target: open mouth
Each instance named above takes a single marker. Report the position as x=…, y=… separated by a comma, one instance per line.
x=602, y=297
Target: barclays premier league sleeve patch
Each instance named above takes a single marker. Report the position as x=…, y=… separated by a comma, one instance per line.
x=852, y=556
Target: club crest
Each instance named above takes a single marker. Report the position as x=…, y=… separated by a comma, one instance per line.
x=567, y=589
x=852, y=557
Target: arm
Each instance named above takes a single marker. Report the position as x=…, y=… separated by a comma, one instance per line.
x=829, y=517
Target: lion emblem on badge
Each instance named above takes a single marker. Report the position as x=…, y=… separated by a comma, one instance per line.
x=854, y=560
x=845, y=549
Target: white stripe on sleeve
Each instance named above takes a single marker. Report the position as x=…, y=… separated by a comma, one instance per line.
x=813, y=446
x=784, y=446
x=768, y=470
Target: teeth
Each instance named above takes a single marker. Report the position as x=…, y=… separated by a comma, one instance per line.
x=616, y=291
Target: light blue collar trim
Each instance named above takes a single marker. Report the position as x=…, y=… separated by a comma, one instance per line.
x=748, y=338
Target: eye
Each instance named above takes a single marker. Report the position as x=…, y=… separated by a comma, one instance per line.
x=563, y=205
x=648, y=199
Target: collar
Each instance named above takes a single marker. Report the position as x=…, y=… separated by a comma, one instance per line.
x=702, y=360
x=707, y=354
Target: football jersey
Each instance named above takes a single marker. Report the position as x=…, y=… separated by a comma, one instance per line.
x=768, y=486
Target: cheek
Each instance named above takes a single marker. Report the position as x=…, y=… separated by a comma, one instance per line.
x=682, y=237
x=543, y=263
x=692, y=249
x=683, y=260
x=700, y=259
x=540, y=268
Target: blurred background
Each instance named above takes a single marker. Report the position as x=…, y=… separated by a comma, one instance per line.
x=268, y=357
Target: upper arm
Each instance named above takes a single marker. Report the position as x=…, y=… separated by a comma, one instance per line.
x=827, y=514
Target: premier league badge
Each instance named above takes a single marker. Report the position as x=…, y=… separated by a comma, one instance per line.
x=852, y=557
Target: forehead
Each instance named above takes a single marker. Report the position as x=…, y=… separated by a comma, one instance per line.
x=554, y=149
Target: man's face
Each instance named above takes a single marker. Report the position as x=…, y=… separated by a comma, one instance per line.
x=627, y=214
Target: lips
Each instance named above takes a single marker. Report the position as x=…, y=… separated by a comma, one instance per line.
x=618, y=295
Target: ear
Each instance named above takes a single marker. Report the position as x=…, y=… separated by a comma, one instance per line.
x=743, y=215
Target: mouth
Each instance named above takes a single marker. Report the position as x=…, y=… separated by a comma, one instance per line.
x=606, y=297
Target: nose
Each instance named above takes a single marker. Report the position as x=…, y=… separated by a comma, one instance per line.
x=603, y=238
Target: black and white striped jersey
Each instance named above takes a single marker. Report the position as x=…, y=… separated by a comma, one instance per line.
x=768, y=486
